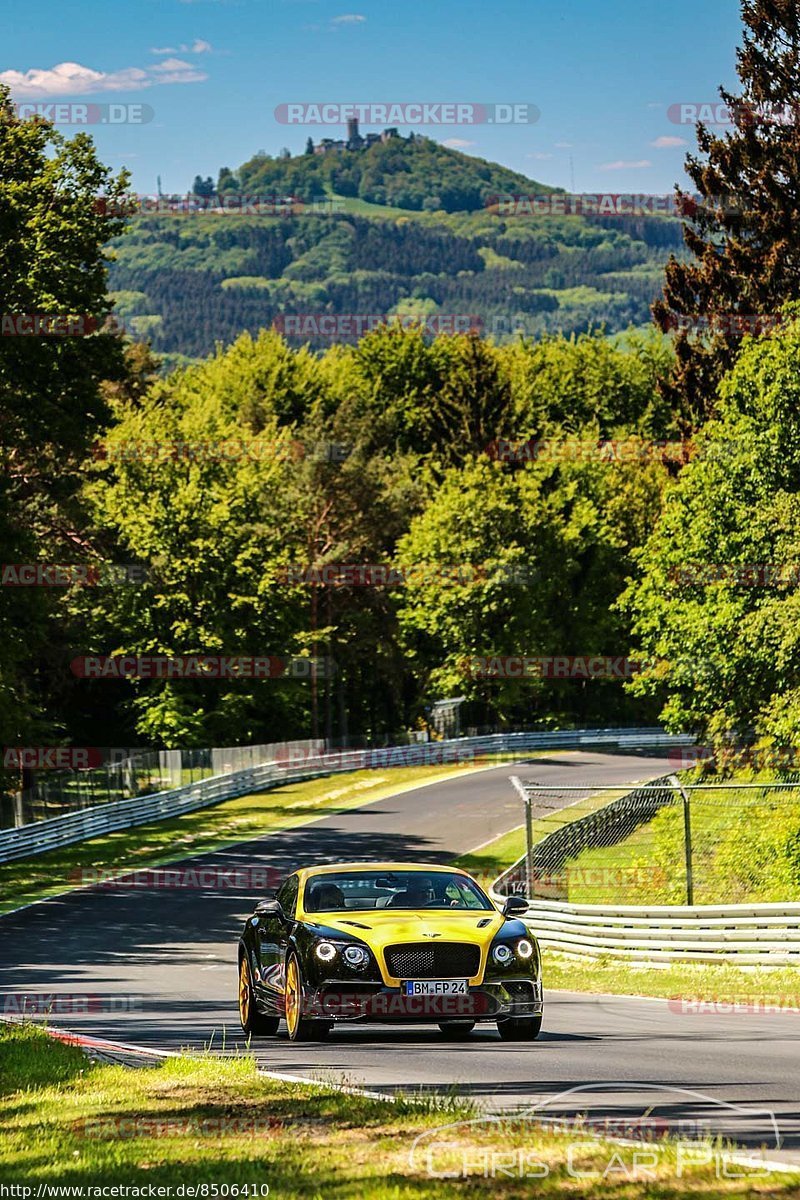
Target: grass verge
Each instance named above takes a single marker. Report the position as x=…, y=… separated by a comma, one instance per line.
x=198, y=1122
x=487, y=862
x=745, y=850
x=205, y=830
x=747, y=990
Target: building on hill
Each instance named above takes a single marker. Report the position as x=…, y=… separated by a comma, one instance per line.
x=355, y=141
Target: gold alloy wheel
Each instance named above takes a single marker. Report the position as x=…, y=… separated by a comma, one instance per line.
x=244, y=992
x=292, y=997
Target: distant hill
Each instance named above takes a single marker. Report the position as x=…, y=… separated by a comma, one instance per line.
x=415, y=173
x=188, y=282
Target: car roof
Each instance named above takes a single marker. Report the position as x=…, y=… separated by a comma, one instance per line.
x=309, y=872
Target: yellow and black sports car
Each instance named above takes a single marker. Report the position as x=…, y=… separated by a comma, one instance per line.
x=387, y=942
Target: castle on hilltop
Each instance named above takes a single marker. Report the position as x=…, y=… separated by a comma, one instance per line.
x=355, y=141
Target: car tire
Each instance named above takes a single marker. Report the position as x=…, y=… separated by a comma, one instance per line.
x=520, y=1029
x=456, y=1031
x=299, y=1028
x=253, y=1022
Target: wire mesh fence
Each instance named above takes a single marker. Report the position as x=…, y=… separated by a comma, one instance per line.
x=138, y=773
x=662, y=843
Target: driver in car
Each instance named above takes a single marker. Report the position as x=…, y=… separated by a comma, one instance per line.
x=418, y=894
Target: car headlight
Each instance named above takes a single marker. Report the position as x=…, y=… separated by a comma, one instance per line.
x=502, y=954
x=356, y=956
x=524, y=948
x=326, y=951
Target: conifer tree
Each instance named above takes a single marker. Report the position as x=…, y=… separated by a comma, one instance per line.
x=744, y=230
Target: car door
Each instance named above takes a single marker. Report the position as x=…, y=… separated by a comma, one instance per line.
x=272, y=935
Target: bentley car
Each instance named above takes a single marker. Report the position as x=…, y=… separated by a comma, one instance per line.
x=388, y=942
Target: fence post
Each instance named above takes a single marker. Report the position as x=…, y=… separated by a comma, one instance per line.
x=529, y=874
x=687, y=836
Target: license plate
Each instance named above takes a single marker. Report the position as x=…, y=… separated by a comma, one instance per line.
x=436, y=987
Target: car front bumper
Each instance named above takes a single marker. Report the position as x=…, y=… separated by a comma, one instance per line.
x=491, y=1001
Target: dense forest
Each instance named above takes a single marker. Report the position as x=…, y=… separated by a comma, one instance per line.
x=188, y=283
x=654, y=475
x=414, y=229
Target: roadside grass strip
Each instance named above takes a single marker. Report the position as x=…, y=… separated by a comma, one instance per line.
x=702, y=988
x=745, y=851
x=196, y=1121
x=206, y=830
x=726, y=988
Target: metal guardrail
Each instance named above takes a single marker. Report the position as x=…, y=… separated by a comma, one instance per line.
x=745, y=934
x=65, y=830
x=742, y=934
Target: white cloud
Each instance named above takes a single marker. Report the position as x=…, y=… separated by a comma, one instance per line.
x=538, y=155
x=563, y=145
x=173, y=64
x=457, y=143
x=348, y=19
x=198, y=46
x=622, y=164
x=72, y=79
x=665, y=143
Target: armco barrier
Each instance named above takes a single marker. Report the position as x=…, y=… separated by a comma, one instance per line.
x=742, y=934
x=745, y=934
x=141, y=810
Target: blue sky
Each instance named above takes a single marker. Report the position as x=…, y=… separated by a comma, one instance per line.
x=603, y=76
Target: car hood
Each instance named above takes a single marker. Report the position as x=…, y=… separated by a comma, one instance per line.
x=384, y=927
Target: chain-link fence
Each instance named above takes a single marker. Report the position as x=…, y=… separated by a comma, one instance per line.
x=666, y=842
x=138, y=773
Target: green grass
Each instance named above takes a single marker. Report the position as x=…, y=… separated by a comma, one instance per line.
x=692, y=981
x=205, y=1121
x=489, y=861
x=648, y=868
x=745, y=850
x=207, y=829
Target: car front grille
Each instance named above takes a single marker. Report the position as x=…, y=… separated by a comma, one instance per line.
x=434, y=960
x=523, y=995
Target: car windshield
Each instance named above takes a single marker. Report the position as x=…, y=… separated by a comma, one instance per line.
x=338, y=891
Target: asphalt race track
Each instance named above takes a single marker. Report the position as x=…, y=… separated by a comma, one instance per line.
x=158, y=967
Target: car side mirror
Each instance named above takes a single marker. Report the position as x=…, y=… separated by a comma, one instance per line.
x=515, y=906
x=269, y=908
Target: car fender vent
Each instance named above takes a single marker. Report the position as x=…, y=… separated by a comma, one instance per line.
x=355, y=924
x=486, y=921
